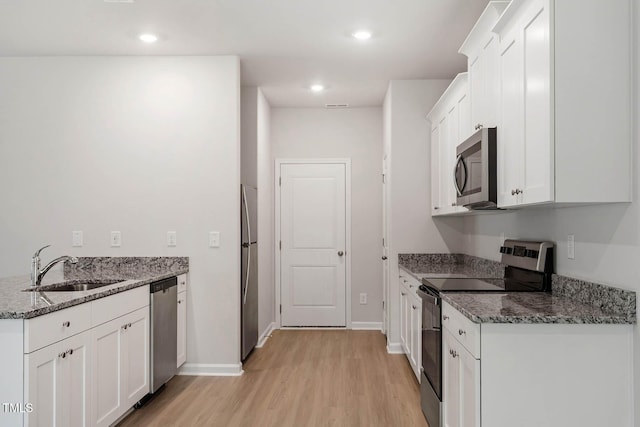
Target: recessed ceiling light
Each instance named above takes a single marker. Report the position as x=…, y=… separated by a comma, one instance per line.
x=362, y=35
x=317, y=88
x=148, y=38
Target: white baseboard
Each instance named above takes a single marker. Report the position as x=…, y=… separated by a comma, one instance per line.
x=211, y=369
x=366, y=326
x=395, y=348
x=265, y=335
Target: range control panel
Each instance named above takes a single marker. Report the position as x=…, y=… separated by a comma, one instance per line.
x=530, y=255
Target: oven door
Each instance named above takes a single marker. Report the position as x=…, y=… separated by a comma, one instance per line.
x=432, y=338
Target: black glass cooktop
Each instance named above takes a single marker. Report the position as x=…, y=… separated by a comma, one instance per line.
x=479, y=285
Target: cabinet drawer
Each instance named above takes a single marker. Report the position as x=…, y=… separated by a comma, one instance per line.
x=411, y=283
x=182, y=283
x=108, y=308
x=463, y=329
x=53, y=327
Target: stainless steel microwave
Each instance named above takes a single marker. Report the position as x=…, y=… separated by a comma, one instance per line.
x=475, y=171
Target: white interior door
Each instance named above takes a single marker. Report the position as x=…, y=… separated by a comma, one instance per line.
x=313, y=239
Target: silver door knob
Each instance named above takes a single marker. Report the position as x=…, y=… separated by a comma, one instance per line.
x=340, y=253
x=384, y=258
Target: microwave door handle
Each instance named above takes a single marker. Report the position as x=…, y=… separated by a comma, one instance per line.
x=464, y=170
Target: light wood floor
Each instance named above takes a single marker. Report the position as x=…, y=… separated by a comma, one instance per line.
x=299, y=378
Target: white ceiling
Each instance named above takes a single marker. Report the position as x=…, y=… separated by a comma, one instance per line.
x=284, y=45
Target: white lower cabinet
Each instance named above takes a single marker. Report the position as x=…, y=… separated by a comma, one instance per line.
x=121, y=365
x=57, y=378
x=411, y=322
x=182, y=329
x=181, y=339
x=89, y=378
x=461, y=402
x=532, y=375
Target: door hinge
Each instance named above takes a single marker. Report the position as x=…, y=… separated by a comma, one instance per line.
x=382, y=305
x=280, y=244
x=383, y=179
x=280, y=181
x=280, y=308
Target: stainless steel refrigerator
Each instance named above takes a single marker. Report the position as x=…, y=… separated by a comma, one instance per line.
x=249, y=276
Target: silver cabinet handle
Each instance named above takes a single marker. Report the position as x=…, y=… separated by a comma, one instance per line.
x=63, y=355
x=179, y=301
x=461, y=332
x=513, y=192
x=445, y=317
x=384, y=258
x=66, y=324
x=340, y=253
x=414, y=307
x=454, y=204
x=436, y=208
x=454, y=354
x=403, y=293
x=125, y=326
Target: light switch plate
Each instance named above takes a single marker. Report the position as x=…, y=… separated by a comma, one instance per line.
x=214, y=239
x=116, y=239
x=363, y=298
x=76, y=238
x=172, y=238
x=571, y=246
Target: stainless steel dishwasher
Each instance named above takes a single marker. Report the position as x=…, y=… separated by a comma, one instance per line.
x=164, y=329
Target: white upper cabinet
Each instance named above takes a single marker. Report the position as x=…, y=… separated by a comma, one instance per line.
x=450, y=125
x=564, y=129
x=481, y=49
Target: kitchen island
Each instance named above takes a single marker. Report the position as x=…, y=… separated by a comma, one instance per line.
x=80, y=357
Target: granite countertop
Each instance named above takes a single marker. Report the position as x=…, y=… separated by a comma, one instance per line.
x=571, y=300
x=437, y=266
x=131, y=272
x=529, y=307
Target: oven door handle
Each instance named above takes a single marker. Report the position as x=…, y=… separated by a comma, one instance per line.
x=428, y=297
x=464, y=180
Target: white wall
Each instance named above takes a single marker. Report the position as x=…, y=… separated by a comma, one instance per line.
x=355, y=133
x=266, y=255
x=142, y=145
x=407, y=144
x=607, y=237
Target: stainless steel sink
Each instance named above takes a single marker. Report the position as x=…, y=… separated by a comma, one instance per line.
x=75, y=285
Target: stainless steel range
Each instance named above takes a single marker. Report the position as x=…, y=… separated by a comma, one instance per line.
x=528, y=269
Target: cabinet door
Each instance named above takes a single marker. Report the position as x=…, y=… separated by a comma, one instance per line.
x=450, y=381
x=469, y=388
x=436, y=204
x=182, y=329
x=511, y=134
x=491, y=81
x=135, y=356
x=416, y=335
x=107, y=400
x=476, y=90
x=445, y=194
x=57, y=383
x=537, y=177
x=404, y=326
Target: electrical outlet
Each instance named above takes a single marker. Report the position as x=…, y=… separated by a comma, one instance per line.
x=76, y=238
x=363, y=299
x=116, y=239
x=172, y=238
x=214, y=239
x=571, y=246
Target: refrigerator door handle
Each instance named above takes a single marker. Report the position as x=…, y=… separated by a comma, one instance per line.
x=246, y=212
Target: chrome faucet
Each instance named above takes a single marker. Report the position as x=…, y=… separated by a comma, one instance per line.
x=37, y=274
